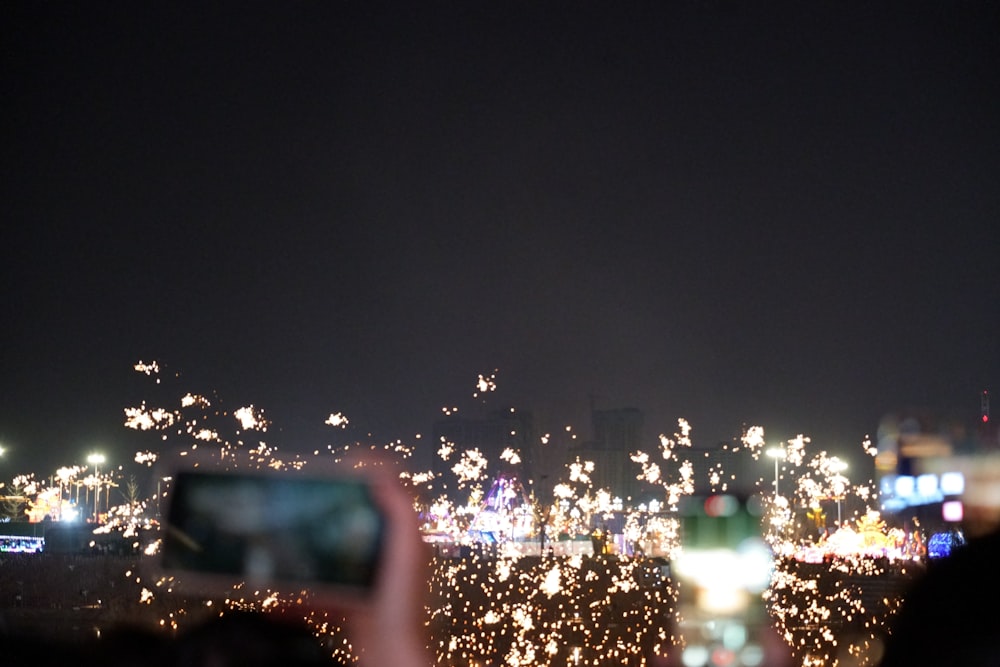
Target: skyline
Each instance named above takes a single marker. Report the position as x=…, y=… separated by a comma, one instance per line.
x=734, y=215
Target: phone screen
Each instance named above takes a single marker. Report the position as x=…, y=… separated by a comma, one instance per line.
x=723, y=570
x=266, y=528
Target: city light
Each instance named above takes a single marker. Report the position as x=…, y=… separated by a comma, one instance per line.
x=522, y=583
x=778, y=454
x=839, y=483
x=96, y=459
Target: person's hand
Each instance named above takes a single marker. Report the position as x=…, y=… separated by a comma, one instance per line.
x=391, y=630
x=387, y=624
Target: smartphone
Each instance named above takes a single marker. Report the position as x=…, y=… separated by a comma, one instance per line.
x=723, y=569
x=283, y=531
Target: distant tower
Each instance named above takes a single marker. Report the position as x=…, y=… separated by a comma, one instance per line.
x=987, y=435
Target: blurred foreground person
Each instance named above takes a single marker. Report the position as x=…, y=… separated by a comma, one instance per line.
x=946, y=617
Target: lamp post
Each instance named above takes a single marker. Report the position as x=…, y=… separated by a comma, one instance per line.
x=838, y=482
x=776, y=453
x=159, y=494
x=96, y=459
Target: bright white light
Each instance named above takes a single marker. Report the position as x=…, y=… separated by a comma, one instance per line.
x=722, y=601
x=726, y=575
x=904, y=486
x=756, y=561
x=952, y=483
x=927, y=484
x=708, y=566
x=695, y=656
x=952, y=510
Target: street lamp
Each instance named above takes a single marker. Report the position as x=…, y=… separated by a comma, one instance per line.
x=838, y=482
x=96, y=459
x=158, y=493
x=776, y=453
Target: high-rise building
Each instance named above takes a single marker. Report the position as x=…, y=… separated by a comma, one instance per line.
x=490, y=435
x=618, y=433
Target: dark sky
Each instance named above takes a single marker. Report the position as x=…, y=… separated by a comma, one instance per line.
x=784, y=214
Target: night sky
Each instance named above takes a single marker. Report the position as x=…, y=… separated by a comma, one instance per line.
x=782, y=214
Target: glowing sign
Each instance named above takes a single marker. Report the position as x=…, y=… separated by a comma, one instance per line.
x=952, y=510
x=952, y=483
x=927, y=485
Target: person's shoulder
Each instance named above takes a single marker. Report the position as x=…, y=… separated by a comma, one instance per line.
x=32, y=650
x=939, y=617
x=977, y=561
x=236, y=639
x=251, y=639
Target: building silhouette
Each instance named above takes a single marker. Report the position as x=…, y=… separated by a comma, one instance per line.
x=618, y=433
x=491, y=436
